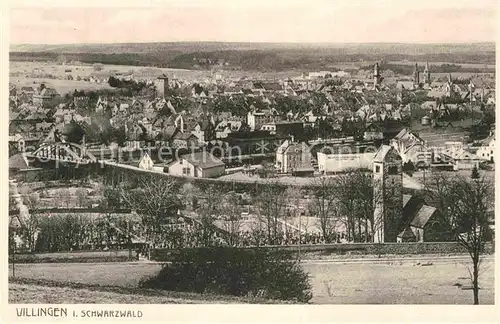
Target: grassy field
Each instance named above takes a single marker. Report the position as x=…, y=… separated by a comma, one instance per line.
x=398, y=282
x=25, y=291
x=19, y=70
x=61, y=86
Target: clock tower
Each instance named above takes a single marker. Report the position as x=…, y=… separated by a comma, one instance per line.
x=387, y=194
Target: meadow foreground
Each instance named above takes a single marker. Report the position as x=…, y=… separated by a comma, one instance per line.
x=440, y=281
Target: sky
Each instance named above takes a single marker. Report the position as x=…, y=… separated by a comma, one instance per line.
x=312, y=21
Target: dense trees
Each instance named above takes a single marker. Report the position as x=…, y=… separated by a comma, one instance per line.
x=271, y=59
x=132, y=85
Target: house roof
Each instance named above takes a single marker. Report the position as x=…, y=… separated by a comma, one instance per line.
x=406, y=199
x=272, y=86
x=382, y=153
x=183, y=136
x=282, y=148
x=435, y=93
x=423, y=216
x=27, y=89
x=167, y=132
x=407, y=233
x=18, y=161
x=203, y=160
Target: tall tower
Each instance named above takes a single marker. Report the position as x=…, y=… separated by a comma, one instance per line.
x=449, y=86
x=427, y=74
x=164, y=77
x=416, y=75
x=376, y=75
x=387, y=194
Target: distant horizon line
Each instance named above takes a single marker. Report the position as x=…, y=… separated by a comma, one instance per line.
x=261, y=42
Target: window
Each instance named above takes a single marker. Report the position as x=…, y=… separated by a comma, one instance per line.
x=377, y=168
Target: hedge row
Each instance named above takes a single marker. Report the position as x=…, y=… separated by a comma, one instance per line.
x=33, y=258
x=326, y=250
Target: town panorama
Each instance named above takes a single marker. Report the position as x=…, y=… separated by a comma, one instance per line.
x=264, y=173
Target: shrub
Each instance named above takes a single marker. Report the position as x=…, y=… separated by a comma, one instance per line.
x=409, y=168
x=234, y=271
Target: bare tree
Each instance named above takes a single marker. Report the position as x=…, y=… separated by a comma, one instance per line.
x=346, y=191
x=465, y=206
x=272, y=201
x=232, y=218
x=357, y=199
x=293, y=199
x=190, y=194
x=324, y=205
x=30, y=226
x=209, y=209
x=156, y=201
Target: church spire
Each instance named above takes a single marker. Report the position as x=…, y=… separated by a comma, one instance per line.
x=376, y=75
x=427, y=74
x=416, y=75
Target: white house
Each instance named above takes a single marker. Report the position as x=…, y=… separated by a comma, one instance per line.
x=462, y=159
x=339, y=162
x=412, y=148
x=198, y=165
x=487, y=150
x=294, y=158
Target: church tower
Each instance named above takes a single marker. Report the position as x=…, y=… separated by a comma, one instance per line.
x=427, y=74
x=376, y=75
x=416, y=75
x=164, y=77
x=387, y=194
x=449, y=86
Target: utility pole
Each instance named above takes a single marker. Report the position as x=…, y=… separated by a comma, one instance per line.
x=129, y=239
x=300, y=232
x=13, y=244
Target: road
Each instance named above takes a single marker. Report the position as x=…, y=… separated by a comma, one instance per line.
x=414, y=280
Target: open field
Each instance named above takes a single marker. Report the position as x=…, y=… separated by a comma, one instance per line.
x=19, y=71
x=61, y=86
x=27, y=294
x=364, y=282
x=24, y=291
